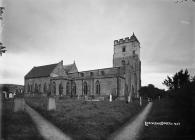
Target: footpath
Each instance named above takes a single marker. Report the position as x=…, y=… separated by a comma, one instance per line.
x=131, y=130
x=46, y=129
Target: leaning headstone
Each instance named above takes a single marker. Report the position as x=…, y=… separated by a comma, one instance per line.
x=19, y=104
x=51, y=104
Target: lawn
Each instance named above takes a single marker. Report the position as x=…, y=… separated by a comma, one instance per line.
x=86, y=120
x=17, y=126
x=174, y=111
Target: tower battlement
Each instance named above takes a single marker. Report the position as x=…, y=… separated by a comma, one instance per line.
x=121, y=41
x=133, y=38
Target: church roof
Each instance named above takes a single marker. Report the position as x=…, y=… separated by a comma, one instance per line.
x=41, y=71
x=68, y=67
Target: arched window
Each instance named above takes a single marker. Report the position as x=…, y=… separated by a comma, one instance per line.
x=28, y=88
x=60, y=89
x=97, y=85
x=54, y=88
x=132, y=90
x=73, y=89
x=135, y=80
x=45, y=88
x=36, y=88
x=31, y=88
x=49, y=89
x=39, y=88
x=85, y=88
x=68, y=92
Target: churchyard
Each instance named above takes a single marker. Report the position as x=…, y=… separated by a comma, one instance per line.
x=17, y=125
x=82, y=120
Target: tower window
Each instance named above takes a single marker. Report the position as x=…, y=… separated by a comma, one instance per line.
x=123, y=49
x=123, y=62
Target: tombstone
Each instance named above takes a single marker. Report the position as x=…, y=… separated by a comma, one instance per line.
x=86, y=97
x=140, y=101
x=78, y=97
x=5, y=94
x=129, y=99
x=51, y=103
x=10, y=95
x=110, y=98
x=19, y=104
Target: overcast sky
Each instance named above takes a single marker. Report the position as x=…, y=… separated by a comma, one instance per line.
x=40, y=32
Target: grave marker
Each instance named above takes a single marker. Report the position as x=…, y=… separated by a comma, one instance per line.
x=51, y=104
x=110, y=98
x=19, y=104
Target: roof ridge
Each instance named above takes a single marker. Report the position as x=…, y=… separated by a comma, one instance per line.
x=46, y=65
x=69, y=64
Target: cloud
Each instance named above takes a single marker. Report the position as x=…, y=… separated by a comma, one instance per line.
x=44, y=32
x=185, y=22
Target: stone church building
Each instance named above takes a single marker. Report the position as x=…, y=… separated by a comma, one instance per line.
x=123, y=79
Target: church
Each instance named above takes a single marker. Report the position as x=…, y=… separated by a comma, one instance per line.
x=123, y=79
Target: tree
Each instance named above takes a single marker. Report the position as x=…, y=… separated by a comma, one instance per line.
x=180, y=80
x=5, y=88
x=2, y=49
x=150, y=91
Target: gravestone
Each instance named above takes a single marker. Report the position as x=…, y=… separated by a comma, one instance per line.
x=140, y=101
x=51, y=103
x=19, y=104
x=110, y=98
x=10, y=95
x=129, y=99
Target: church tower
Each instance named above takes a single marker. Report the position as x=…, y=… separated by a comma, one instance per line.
x=127, y=57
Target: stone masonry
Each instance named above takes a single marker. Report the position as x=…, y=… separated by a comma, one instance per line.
x=123, y=79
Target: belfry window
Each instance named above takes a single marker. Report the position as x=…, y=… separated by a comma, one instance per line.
x=123, y=49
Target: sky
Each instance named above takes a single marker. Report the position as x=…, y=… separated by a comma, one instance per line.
x=45, y=32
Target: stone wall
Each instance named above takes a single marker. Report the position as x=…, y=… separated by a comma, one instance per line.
x=39, y=81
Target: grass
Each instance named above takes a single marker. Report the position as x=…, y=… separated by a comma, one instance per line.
x=170, y=110
x=84, y=120
x=17, y=125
